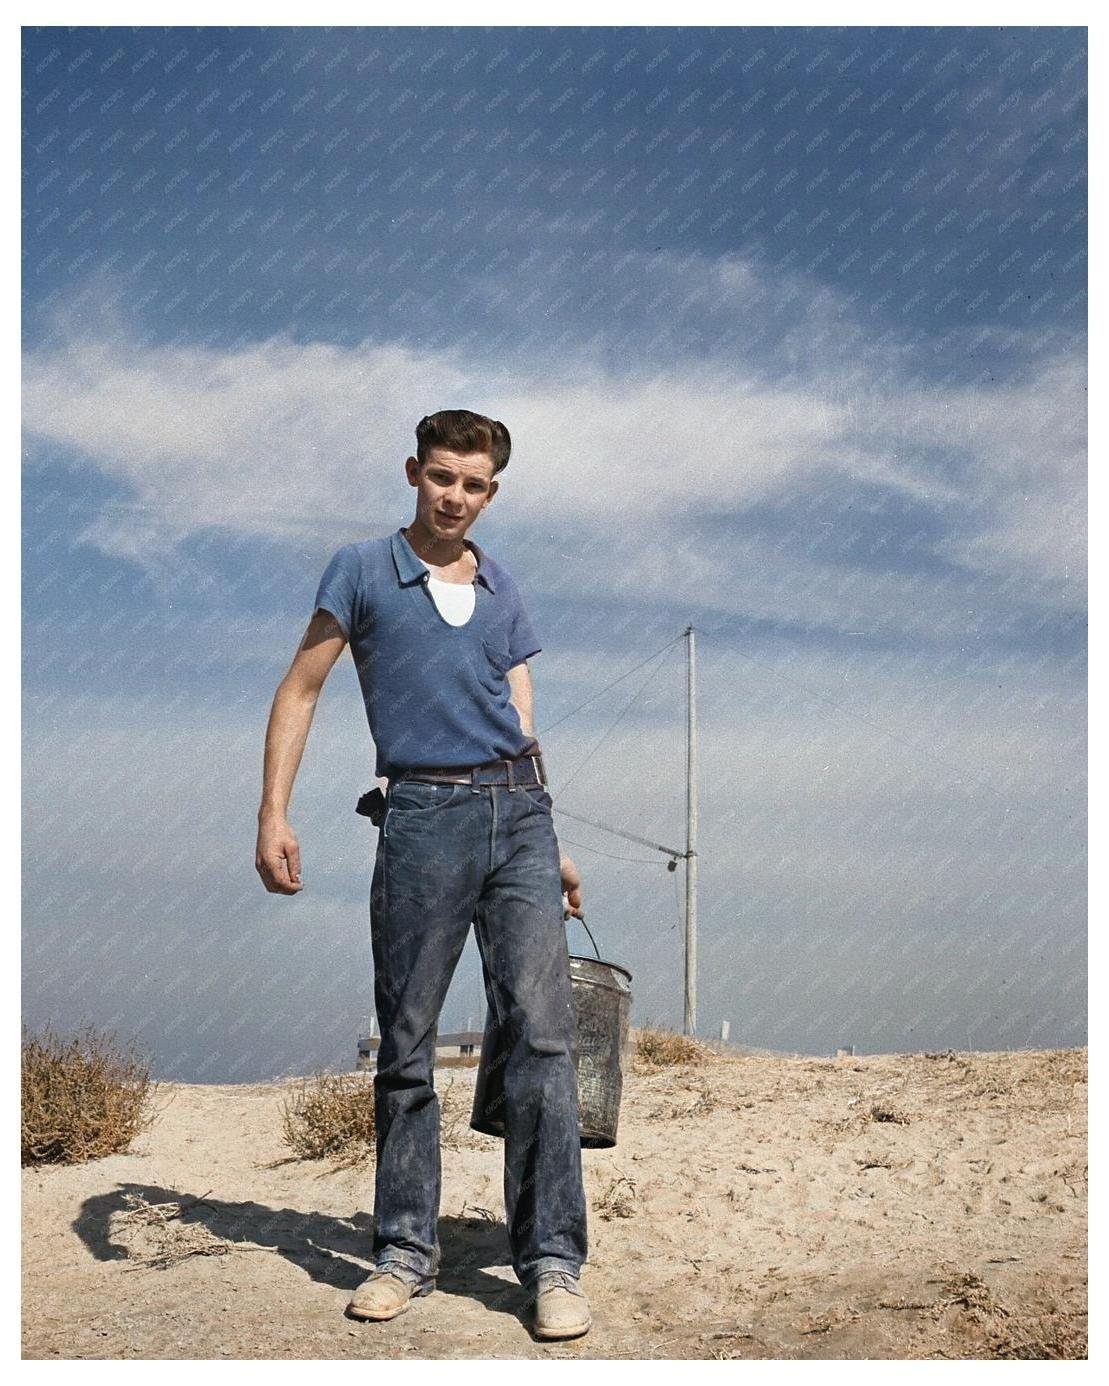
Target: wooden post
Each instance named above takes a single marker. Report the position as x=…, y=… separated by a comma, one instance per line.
x=690, y=1012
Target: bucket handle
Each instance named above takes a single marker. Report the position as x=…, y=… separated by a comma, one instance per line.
x=592, y=940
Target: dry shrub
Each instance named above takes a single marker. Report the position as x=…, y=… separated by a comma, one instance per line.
x=331, y=1114
x=83, y=1096
x=658, y=1048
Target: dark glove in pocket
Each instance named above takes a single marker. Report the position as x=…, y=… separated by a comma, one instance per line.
x=372, y=806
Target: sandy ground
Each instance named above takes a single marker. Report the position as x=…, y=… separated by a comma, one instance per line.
x=893, y=1206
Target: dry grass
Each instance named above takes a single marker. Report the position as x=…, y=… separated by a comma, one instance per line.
x=454, y=1116
x=1010, y=1333
x=1005, y=1079
x=618, y=1200
x=655, y=1048
x=331, y=1115
x=83, y=1096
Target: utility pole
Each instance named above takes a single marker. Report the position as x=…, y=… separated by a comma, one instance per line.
x=690, y=1018
x=690, y=853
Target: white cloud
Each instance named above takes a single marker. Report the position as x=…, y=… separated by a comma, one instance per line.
x=286, y=440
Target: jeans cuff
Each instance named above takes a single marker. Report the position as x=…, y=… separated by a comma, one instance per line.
x=545, y=1264
x=403, y=1270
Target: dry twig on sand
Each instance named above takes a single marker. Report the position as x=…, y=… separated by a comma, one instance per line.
x=172, y=1240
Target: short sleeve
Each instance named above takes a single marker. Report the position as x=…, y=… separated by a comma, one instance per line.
x=522, y=640
x=338, y=588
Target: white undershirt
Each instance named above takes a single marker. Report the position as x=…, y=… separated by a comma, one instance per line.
x=455, y=600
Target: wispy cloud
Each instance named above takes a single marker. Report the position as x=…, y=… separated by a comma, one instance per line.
x=285, y=440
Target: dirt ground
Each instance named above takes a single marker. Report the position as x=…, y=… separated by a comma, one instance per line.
x=890, y=1206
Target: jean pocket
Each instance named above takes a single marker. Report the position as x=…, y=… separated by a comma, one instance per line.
x=415, y=800
x=539, y=797
x=421, y=796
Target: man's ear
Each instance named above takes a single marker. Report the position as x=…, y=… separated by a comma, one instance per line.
x=412, y=470
x=491, y=492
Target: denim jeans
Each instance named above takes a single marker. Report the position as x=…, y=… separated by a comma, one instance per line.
x=446, y=856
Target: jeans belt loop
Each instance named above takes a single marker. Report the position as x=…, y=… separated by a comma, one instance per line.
x=474, y=787
x=508, y=771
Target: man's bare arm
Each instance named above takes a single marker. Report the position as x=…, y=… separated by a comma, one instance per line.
x=522, y=699
x=277, y=856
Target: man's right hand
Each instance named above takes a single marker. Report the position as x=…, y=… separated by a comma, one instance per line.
x=277, y=857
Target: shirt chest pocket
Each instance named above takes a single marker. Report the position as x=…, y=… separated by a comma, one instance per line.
x=493, y=661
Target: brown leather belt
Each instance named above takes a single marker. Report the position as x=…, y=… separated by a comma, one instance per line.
x=526, y=770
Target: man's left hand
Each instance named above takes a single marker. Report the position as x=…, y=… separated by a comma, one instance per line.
x=571, y=888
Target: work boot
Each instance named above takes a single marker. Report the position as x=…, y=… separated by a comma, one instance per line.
x=383, y=1295
x=561, y=1308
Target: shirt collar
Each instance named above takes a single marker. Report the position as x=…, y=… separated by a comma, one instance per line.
x=410, y=568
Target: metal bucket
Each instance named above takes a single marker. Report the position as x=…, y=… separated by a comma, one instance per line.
x=602, y=997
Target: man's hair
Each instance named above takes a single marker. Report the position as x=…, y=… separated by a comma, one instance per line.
x=462, y=431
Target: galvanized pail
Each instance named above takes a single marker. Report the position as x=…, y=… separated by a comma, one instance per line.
x=602, y=996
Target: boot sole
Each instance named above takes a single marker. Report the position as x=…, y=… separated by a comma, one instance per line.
x=550, y=1334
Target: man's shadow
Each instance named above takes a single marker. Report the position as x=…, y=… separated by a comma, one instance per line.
x=334, y=1251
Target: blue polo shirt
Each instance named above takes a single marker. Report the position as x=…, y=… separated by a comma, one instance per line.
x=435, y=694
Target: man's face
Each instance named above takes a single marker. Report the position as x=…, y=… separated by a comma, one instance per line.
x=452, y=489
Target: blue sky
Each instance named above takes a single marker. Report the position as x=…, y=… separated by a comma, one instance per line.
x=789, y=328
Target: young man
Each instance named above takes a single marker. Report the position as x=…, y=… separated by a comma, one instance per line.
x=440, y=640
